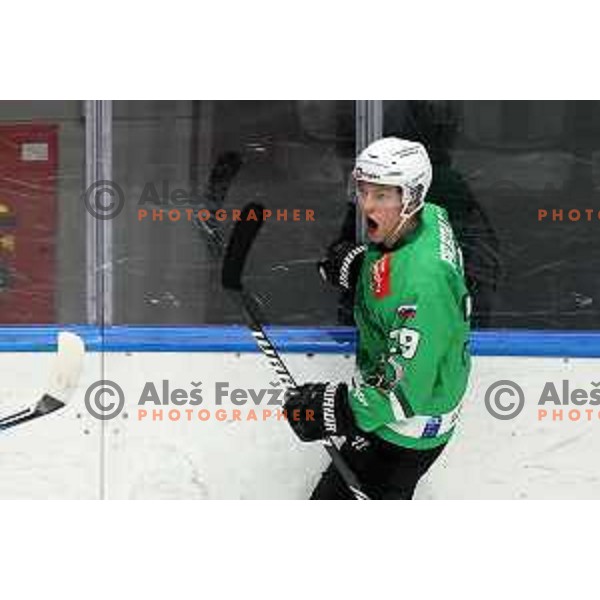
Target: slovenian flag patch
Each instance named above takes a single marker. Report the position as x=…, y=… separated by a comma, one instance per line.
x=407, y=311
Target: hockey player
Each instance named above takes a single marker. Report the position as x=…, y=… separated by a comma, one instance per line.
x=411, y=308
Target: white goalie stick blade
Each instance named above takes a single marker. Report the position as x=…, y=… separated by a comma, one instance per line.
x=63, y=380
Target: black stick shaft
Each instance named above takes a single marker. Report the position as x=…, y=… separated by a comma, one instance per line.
x=44, y=406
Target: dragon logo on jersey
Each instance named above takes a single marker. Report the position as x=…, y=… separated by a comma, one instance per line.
x=390, y=372
x=394, y=371
x=380, y=277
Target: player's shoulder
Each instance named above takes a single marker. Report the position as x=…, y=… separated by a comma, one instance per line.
x=435, y=253
x=429, y=273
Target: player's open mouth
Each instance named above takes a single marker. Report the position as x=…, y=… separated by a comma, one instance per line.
x=371, y=225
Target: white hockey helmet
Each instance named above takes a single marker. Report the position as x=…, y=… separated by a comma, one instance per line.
x=397, y=162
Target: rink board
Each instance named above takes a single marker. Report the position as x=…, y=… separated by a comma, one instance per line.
x=71, y=455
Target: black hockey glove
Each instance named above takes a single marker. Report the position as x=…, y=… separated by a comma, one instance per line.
x=318, y=410
x=342, y=264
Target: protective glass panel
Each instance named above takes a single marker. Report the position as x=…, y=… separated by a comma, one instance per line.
x=520, y=182
x=173, y=158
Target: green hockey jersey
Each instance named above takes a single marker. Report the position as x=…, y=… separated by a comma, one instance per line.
x=412, y=313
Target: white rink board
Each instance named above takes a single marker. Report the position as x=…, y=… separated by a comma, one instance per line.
x=71, y=455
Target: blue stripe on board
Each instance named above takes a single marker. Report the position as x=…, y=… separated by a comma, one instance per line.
x=574, y=344
x=338, y=340
x=331, y=340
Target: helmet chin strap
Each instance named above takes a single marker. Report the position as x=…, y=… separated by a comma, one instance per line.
x=394, y=236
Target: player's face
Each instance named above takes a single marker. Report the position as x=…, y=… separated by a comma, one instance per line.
x=380, y=206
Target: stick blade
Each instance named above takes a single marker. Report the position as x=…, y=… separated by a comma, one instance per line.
x=47, y=404
x=242, y=238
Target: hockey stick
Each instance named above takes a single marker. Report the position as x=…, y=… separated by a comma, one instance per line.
x=63, y=380
x=221, y=178
x=242, y=237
